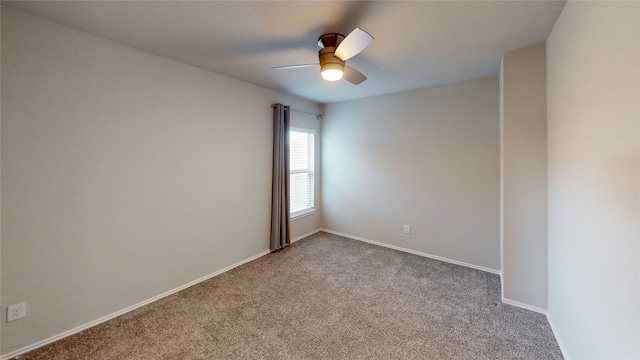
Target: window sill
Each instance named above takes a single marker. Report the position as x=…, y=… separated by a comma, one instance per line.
x=302, y=214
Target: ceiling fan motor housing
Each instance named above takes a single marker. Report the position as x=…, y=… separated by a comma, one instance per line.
x=326, y=57
x=331, y=39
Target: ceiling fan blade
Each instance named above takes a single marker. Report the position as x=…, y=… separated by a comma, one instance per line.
x=353, y=76
x=354, y=43
x=293, y=66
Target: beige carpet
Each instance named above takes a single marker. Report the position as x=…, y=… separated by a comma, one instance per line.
x=325, y=297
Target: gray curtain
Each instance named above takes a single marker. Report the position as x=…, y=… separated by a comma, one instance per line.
x=280, y=236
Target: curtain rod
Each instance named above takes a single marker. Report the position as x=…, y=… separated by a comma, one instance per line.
x=318, y=116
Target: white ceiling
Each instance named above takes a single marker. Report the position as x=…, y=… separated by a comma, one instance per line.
x=417, y=43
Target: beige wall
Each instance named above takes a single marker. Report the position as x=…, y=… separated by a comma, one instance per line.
x=428, y=158
x=523, y=129
x=124, y=175
x=593, y=102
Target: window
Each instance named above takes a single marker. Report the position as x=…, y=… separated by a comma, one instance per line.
x=301, y=163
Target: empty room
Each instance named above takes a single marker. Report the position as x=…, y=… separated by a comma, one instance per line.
x=320, y=180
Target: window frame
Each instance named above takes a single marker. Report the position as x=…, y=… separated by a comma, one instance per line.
x=311, y=171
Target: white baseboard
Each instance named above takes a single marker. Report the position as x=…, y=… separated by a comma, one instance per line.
x=456, y=262
x=557, y=336
x=306, y=235
x=524, y=306
x=80, y=328
x=75, y=330
x=549, y=320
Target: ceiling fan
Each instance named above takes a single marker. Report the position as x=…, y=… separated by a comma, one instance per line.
x=335, y=50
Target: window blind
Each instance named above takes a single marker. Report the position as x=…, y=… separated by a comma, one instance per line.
x=301, y=158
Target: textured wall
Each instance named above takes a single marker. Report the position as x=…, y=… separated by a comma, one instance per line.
x=593, y=92
x=428, y=158
x=124, y=175
x=524, y=176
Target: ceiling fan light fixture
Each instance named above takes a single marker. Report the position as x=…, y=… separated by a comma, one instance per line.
x=331, y=68
x=332, y=71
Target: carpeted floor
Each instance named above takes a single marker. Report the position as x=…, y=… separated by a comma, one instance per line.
x=325, y=297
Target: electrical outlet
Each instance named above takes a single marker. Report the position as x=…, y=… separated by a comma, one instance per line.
x=17, y=311
x=407, y=229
